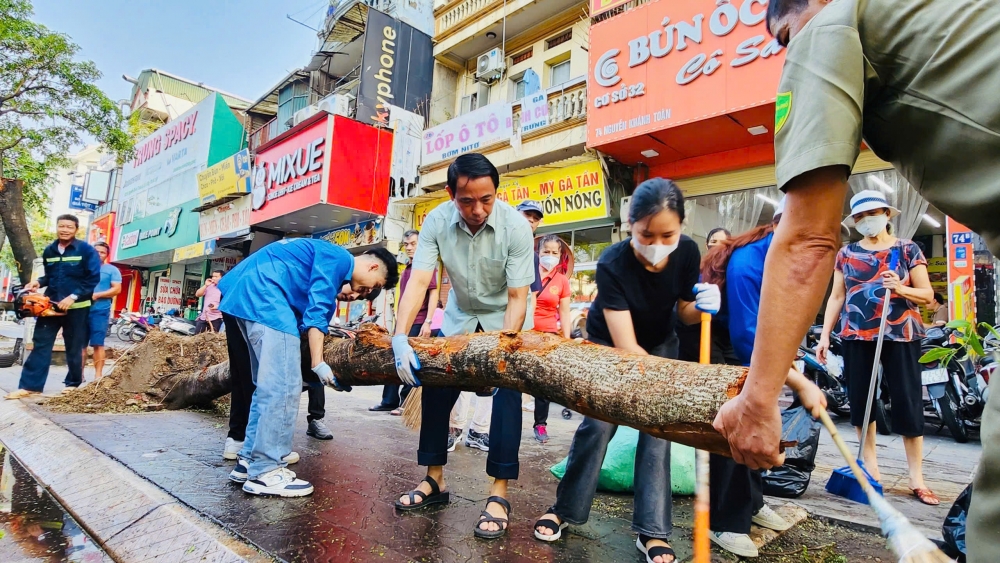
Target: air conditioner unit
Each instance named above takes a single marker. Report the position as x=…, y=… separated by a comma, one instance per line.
x=623, y=212
x=337, y=104
x=304, y=114
x=490, y=65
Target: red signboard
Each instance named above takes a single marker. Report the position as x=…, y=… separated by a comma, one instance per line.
x=289, y=175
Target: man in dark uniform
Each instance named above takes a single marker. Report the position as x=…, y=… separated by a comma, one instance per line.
x=918, y=81
x=72, y=271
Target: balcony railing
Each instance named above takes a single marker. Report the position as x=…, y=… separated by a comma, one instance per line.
x=458, y=13
x=567, y=102
x=263, y=134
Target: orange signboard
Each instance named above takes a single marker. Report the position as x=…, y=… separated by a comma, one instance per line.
x=961, y=271
x=601, y=6
x=665, y=64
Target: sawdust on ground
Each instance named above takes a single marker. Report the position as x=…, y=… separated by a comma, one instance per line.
x=141, y=376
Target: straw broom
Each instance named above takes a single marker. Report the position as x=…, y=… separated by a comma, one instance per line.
x=413, y=410
x=904, y=539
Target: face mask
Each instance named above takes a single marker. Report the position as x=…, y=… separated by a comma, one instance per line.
x=871, y=225
x=653, y=253
x=548, y=262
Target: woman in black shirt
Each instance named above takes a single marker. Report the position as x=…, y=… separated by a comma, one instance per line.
x=639, y=281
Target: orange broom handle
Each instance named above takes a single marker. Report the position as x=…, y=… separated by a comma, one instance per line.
x=702, y=547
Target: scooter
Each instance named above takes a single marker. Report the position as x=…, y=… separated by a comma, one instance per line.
x=177, y=325
x=955, y=393
x=830, y=376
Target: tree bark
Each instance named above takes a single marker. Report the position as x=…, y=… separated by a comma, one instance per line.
x=16, y=226
x=669, y=399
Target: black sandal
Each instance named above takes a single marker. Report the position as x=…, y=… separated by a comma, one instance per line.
x=550, y=524
x=487, y=517
x=655, y=551
x=437, y=496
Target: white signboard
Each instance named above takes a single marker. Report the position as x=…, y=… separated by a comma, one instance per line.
x=228, y=219
x=163, y=173
x=168, y=294
x=407, y=129
x=468, y=133
x=534, y=111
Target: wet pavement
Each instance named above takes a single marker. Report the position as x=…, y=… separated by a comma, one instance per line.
x=34, y=527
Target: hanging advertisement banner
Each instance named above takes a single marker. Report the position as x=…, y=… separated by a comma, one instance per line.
x=961, y=271
x=353, y=236
x=407, y=128
x=226, y=220
x=470, y=132
x=567, y=195
x=534, y=112
x=664, y=64
x=101, y=229
x=168, y=294
x=225, y=179
x=420, y=210
x=196, y=250
x=396, y=69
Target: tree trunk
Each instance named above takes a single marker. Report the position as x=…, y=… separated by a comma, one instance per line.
x=669, y=399
x=16, y=226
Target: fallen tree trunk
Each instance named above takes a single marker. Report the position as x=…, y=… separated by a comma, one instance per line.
x=669, y=399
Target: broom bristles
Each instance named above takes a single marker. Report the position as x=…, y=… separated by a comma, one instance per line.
x=413, y=409
x=904, y=539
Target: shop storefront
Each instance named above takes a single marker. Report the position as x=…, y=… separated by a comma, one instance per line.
x=159, y=197
x=686, y=90
x=102, y=229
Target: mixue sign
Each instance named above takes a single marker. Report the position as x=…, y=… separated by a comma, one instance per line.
x=690, y=60
x=290, y=166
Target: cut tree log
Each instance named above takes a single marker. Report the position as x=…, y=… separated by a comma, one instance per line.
x=669, y=399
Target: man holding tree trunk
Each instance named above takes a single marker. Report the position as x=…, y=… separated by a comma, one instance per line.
x=485, y=246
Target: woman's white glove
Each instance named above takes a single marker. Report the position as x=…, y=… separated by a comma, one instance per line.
x=406, y=360
x=708, y=298
x=325, y=374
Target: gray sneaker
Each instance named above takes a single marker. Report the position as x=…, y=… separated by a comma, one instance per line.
x=319, y=430
x=478, y=440
x=454, y=435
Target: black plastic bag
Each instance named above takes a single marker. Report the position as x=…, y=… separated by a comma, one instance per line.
x=953, y=529
x=792, y=479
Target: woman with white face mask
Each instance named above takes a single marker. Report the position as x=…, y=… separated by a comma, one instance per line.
x=855, y=309
x=639, y=280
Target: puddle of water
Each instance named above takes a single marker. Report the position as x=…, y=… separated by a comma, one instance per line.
x=33, y=526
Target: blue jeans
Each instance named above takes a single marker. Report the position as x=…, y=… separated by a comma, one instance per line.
x=74, y=325
x=275, y=402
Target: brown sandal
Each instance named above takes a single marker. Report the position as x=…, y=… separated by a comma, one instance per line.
x=926, y=496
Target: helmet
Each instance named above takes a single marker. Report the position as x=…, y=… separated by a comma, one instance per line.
x=33, y=305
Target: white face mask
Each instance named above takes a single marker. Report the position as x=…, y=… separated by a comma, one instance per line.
x=653, y=253
x=871, y=225
x=548, y=262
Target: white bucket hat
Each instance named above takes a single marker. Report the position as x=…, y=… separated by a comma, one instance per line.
x=866, y=201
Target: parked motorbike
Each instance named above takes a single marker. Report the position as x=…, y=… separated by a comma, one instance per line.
x=177, y=325
x=955, y=393
x=828, y=377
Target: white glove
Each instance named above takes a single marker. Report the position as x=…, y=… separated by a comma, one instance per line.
x=325, y=374
x=406, y=360
x=708, y=298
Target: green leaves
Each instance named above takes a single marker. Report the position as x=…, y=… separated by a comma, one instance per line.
x=968, y=339
x=936, y=355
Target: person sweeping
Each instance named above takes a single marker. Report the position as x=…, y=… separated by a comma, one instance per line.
x=485, y=246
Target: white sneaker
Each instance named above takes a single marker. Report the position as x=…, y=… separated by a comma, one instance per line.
x=291, y=458
x=239, y=473
x=767, y=518
x=737, y=544
x=232, y=448
x=280, y=482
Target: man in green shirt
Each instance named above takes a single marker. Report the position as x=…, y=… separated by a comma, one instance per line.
x=919, y=81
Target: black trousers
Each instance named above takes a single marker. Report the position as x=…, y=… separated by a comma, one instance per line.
x=901, y=372
x=505, y=429
x=391, y=395
x=736, y=493
x=243, y=387
x=201, y=326
x=75, y=328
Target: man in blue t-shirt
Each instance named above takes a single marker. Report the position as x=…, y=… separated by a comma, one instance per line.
x=100, y=312
x=282, y=292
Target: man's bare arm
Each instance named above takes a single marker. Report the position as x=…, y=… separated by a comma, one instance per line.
x=796, y=275
x=412, y=300
x=517, y=308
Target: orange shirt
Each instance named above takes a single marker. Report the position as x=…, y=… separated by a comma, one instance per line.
x=547, y=302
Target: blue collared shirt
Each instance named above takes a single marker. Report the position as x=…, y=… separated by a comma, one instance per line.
x=290, y=285
x=744, y=276
x=74, y=271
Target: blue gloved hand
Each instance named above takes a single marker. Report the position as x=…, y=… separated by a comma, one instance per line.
x=406, y=360
x=708, y=298
x=325, y=374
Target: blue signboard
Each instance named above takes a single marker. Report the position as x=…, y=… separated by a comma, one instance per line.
x=961, y=238
x=76, y=199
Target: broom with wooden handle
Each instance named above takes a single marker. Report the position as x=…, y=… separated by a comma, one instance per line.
x=905, y=541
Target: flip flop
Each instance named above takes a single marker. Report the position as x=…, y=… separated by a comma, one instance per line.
x=397, y=411
x=552, y=525
x=21, y=394
x=487, y=517
x=437, y=496
x=655, y=551
x=926, y=496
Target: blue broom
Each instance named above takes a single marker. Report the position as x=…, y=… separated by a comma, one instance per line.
x=842, y=482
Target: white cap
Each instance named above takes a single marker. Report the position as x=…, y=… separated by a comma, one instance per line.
x=868, y=200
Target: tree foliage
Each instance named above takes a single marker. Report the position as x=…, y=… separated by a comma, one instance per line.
x=49, y=102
